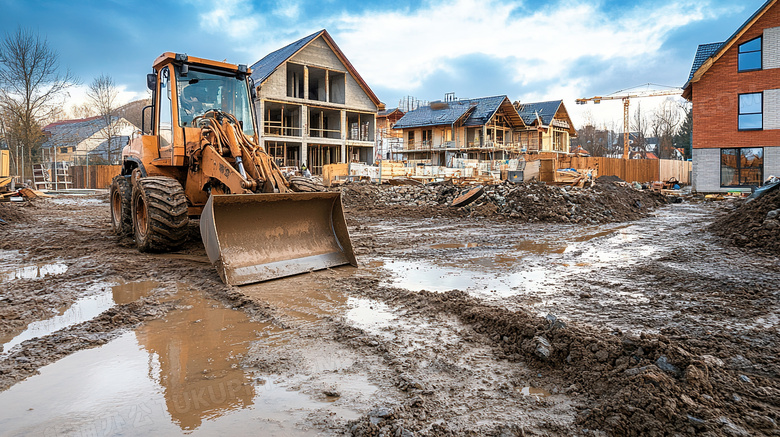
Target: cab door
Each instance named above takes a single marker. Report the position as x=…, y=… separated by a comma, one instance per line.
x=165, y=114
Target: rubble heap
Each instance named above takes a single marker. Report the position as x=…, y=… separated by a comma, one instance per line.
x=754, y=224
x=606, y=201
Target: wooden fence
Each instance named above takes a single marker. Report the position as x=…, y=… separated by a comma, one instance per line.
x=93, y=176
x=639, y=170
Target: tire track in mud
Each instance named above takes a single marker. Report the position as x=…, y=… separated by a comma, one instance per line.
x=634, y=385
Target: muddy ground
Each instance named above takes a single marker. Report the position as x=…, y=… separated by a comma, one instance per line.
x=628, y=318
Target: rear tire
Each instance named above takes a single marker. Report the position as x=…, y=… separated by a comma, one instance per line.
x=159, y=212
x=120, y=196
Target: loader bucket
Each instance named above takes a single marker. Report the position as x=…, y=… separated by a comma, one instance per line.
x=257, y=237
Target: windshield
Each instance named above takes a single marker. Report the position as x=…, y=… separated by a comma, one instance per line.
x=200, y=91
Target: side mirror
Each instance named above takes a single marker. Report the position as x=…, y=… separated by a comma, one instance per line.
x=151, y=81
x=252, y=89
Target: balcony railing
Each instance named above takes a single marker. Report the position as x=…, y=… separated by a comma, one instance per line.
x=276, y=128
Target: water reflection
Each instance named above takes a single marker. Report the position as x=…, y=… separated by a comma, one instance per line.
x=199, y=352
x=34, y=272
x=83, y=309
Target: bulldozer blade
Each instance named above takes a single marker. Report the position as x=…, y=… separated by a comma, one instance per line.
x=256, y=237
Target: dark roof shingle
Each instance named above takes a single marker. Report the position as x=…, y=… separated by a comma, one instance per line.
x=480, y=110
x=263, y=68
x=546, y=111
x=703, y=52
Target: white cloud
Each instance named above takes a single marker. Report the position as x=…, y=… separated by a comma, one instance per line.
x=77, y=95
x=234, y=18
x=401, y=49
x=290, y=9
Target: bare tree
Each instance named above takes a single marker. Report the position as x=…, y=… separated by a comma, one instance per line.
x=666, y=122
x=102, y=95
x=32, y=88
x=84, y=110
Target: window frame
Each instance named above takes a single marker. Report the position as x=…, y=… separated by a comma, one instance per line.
x=759, y=51
x=738, y=169
x=740, y=113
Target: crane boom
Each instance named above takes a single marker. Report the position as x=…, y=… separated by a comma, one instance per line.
x=626, y=98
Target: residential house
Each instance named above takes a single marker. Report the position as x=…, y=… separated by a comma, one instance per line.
x=482, y=128
x=548, y=127
x=735, y=90
x=389, y=141
x=312, y=105
x=88, y=138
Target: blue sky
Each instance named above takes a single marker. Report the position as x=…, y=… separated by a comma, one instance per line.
x=528, y=50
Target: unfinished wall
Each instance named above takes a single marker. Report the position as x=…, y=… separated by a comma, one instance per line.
x=318, y=53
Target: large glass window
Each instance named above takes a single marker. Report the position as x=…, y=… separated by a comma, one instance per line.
x=751, y=111
x=165, y=127
x=741, y=166
x=201, y=91
x=750, y=55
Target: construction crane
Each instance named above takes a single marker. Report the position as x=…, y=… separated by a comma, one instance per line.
x=626, y=95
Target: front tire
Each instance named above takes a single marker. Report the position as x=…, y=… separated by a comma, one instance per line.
x=120, y=196
x=159, y=213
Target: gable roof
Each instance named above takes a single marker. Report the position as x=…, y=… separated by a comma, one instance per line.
x=386, y=112
x=71, y=132
x=265, y=67
x=705, y=65
x=546, y=111
x=473, y=112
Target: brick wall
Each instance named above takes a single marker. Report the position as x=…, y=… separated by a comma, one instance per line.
x=716, y=95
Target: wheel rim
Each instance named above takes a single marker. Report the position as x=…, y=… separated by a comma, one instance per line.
x=140, y=215
x=116, y=207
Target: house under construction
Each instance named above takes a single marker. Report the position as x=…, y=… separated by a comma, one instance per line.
x=483, y=129
x=313, y=107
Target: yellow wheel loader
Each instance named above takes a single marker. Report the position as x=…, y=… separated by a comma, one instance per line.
x=201, y=158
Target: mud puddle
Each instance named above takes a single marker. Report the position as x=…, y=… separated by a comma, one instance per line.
x=33, y=272
x=182, y=374
x=306, y=299
x=532, y=271
x=84, y=309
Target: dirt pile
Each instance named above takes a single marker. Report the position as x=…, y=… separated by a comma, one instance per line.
x=607, y=201
x=637, y=385
x=12, y=213
x=754, y=224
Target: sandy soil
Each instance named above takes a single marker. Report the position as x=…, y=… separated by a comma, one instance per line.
x=458, y=322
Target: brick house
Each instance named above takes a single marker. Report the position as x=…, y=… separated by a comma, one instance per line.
x=735, y=90
x=312, y=105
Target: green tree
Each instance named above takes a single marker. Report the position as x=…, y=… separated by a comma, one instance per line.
x=683, y=138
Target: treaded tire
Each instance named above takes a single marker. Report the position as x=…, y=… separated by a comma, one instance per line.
x=159, y=211
x=306, y=185
x=120, y=196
